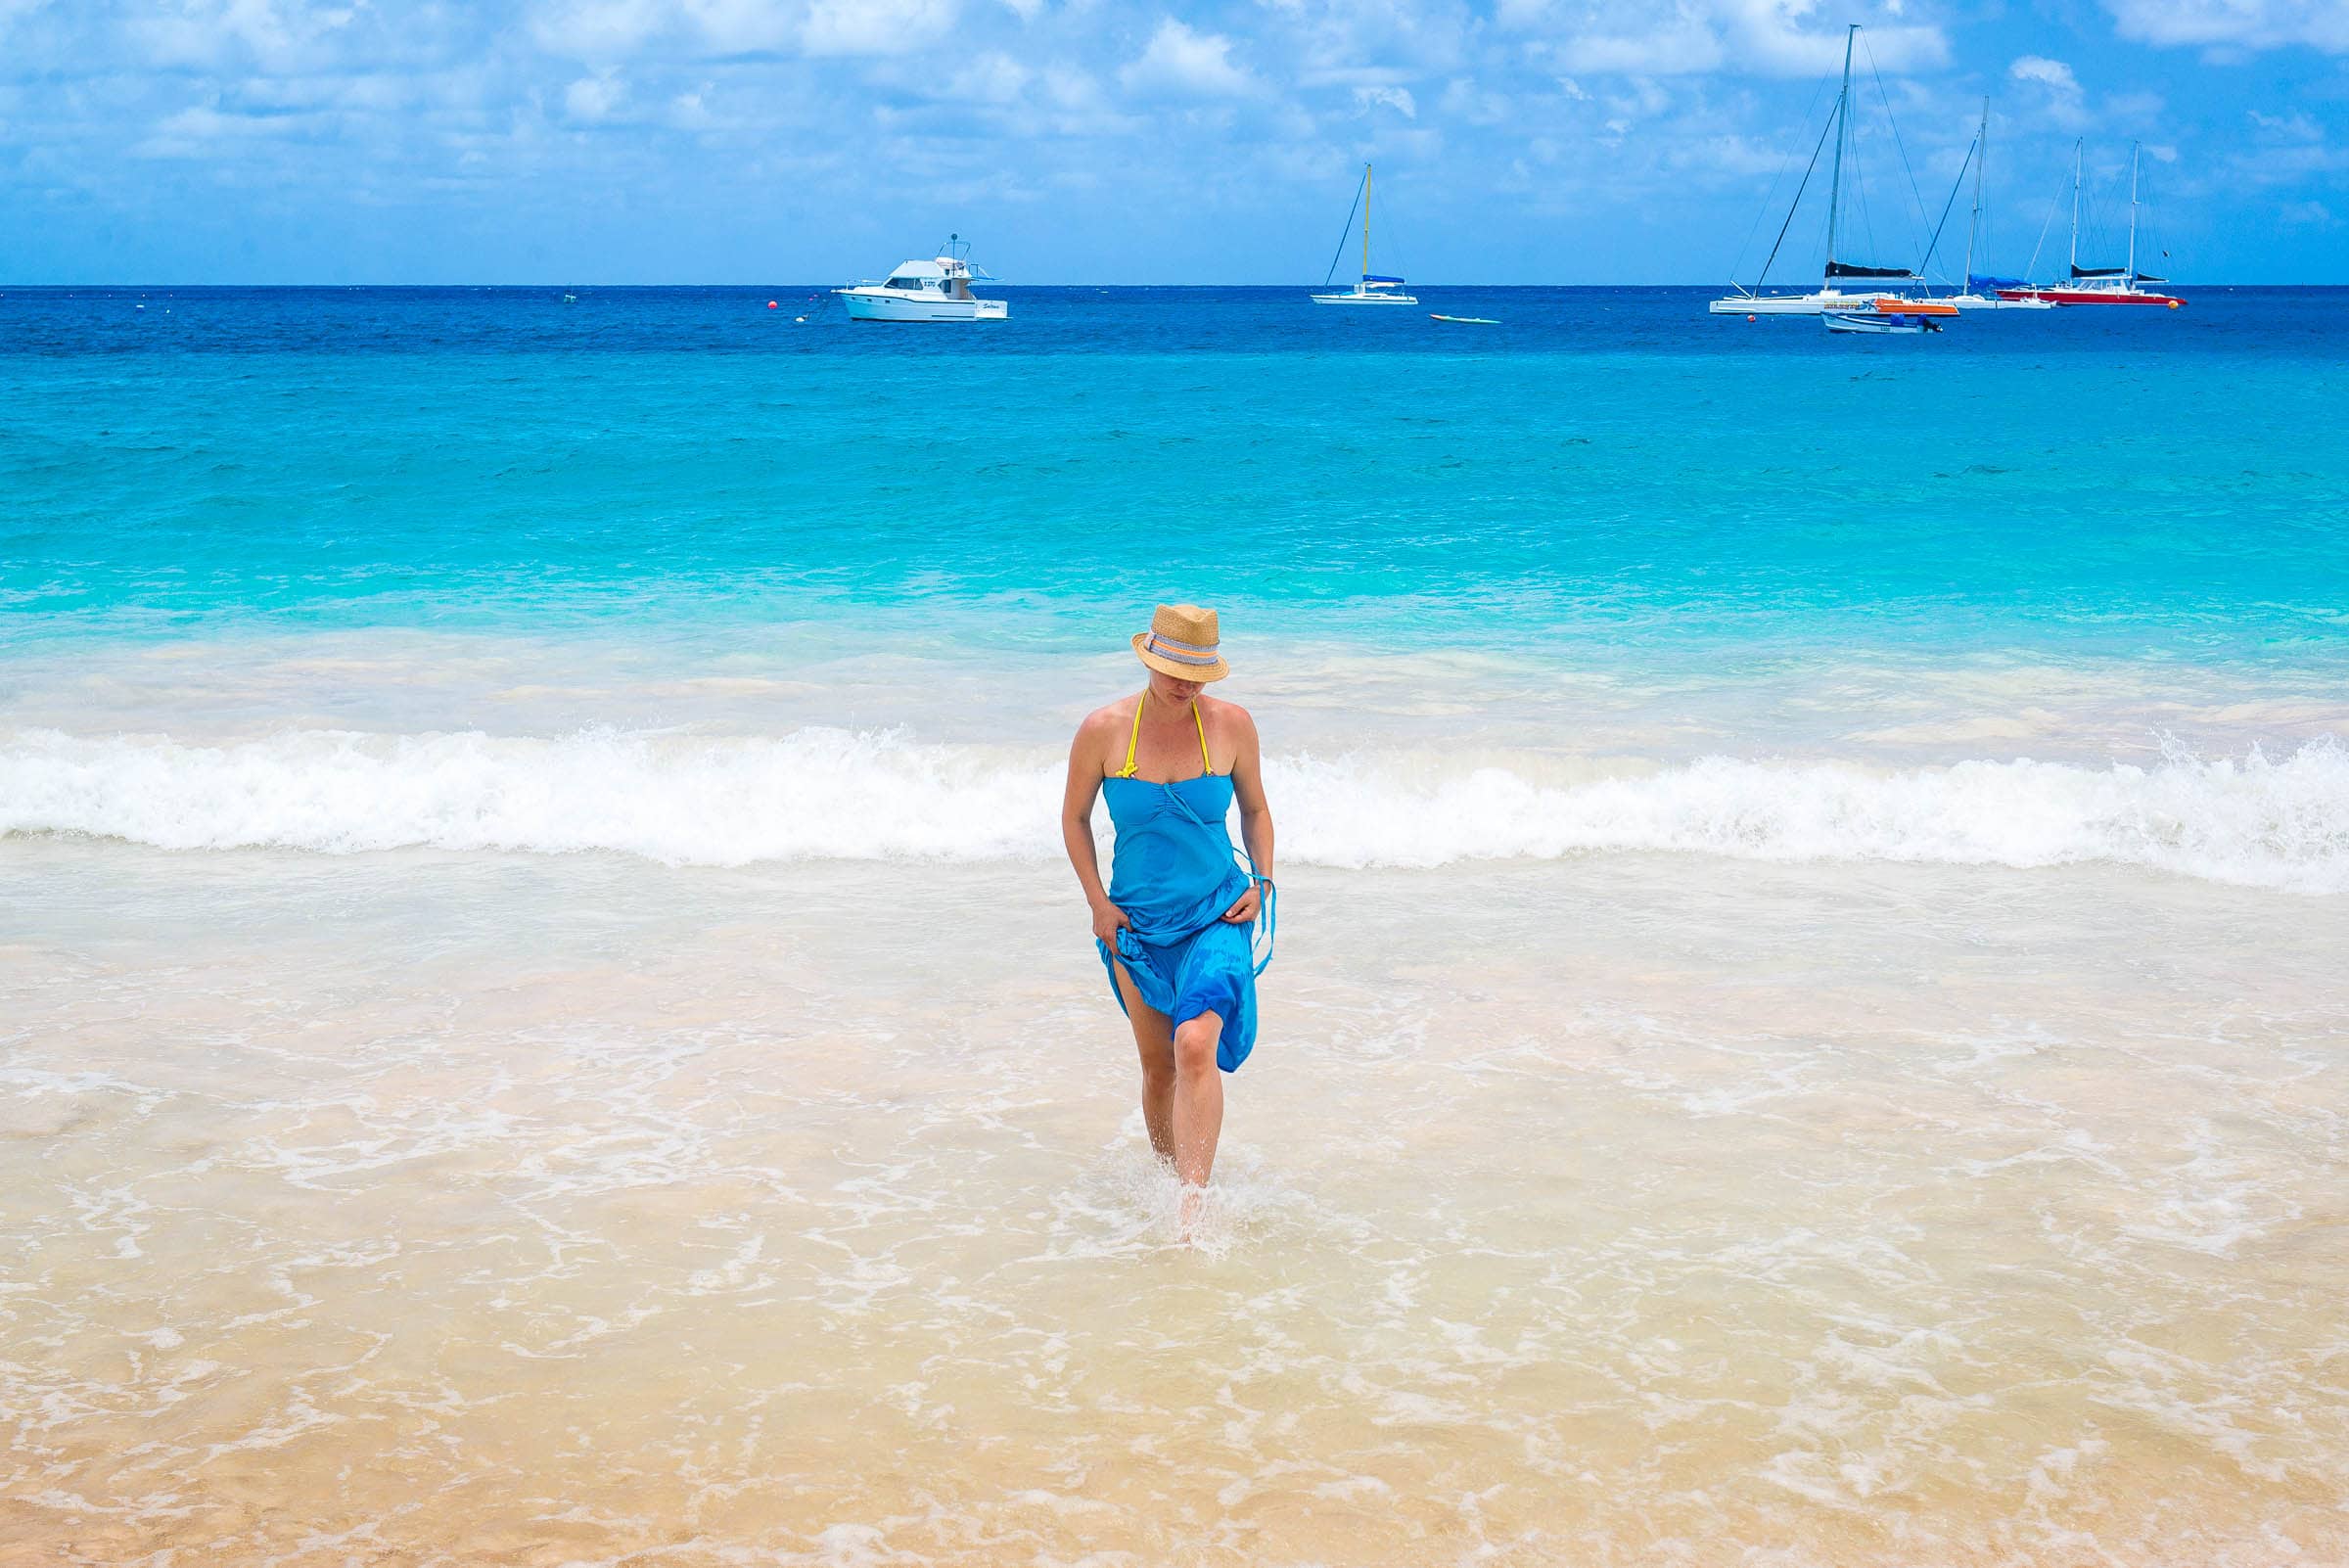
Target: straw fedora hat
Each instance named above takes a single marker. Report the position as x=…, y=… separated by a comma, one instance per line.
x=1182, y=642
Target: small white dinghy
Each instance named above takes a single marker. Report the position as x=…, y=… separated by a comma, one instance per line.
x=1871, y=321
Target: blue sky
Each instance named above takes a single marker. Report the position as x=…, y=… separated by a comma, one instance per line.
x=1120, y=140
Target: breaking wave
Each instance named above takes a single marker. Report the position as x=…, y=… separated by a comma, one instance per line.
x=833, y=794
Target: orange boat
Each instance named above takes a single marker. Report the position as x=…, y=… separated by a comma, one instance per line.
x=1888, y=305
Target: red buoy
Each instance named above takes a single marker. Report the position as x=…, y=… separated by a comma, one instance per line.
x=770, y=305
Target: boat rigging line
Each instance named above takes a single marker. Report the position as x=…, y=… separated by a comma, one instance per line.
x=1886, y=99
x=1770, y=195
x=1346, y=235
x=1954, y=185
x=1796, y=206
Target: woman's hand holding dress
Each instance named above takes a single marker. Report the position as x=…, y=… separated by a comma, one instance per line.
x=1108, y=920
x=1244, y=913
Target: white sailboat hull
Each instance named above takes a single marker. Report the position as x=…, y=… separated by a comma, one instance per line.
x=1794, y=305
x=1986, y=301
x=1365, y=298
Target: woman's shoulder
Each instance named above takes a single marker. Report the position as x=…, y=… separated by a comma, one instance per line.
x=1102, y=720
x=1225, y=711
x=1226, y=718
x=1113, y=713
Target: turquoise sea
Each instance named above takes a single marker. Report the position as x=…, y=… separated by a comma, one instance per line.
x=1764, y=541
x=1605, y=474
x=542, y=1017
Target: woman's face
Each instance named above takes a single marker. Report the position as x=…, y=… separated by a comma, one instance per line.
x=1173, y=693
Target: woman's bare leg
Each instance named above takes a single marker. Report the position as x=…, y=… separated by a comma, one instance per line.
x=1154, y=1038
x=1198, y=1098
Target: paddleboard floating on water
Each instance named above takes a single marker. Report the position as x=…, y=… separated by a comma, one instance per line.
x=1472, y=321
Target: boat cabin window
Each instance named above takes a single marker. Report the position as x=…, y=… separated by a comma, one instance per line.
x=904, y=282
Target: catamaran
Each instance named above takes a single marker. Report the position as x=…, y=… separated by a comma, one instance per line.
x=1374, y=289
x=1973, y=296
x=2090, y=286
x=1830, y=295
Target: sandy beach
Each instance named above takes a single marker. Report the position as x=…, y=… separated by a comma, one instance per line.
x=434, y=1209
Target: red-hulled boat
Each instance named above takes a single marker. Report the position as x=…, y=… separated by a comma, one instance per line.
x=2100, y=286
x=2056, y=294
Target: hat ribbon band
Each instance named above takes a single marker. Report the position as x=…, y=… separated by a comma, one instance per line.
x=1165, y=648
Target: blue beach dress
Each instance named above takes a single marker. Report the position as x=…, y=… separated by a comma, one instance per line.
x=1173, y=870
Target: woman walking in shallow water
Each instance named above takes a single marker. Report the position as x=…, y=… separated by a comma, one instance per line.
x=1174, y=926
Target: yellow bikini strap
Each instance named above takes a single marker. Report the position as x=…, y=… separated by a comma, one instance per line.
x=1135, y=735
x=1131, y=737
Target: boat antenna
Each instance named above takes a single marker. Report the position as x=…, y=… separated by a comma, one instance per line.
x=1365, y=220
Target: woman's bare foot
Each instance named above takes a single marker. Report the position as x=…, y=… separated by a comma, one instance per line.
x=1193, y=1204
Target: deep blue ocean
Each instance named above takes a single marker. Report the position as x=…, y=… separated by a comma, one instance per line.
x=1608, y=467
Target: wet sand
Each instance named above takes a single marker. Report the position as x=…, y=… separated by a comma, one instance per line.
x=1642, y=1209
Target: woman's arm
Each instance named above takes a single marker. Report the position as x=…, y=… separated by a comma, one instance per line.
x=1077, y=826
x=1255, y=813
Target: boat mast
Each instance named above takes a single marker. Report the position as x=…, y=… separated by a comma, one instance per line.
x=2133, y=151
x=2077, y=148
x=1843, y=121
x=1981, y=157
x=1365, y=220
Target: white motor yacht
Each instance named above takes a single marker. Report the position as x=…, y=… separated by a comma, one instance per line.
x=936, y=290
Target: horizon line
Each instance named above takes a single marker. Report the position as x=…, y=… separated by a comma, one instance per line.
x=5, y=286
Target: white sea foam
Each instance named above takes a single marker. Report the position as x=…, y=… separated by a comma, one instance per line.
x=832, y=793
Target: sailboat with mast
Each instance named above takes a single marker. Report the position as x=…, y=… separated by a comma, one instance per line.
x=2093, y=286
x=1832, y=295
x=1374, y=289
x=1972, y=296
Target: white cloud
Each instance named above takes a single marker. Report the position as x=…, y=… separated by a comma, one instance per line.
x=994, y=77
x=1362, y=39
x=877, y=27
x=597, y=29
x=594, y=99
x=2059, y=94
x=1187, y=63
x=2054, y=73
x=744, y=26
x=1466, y=103
x=612, y=31
x=2234, y=24
x=1751, y=37
x=2295, y=126
x=1397, y=99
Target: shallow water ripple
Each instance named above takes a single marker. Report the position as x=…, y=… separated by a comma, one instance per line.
x=579, y=1212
